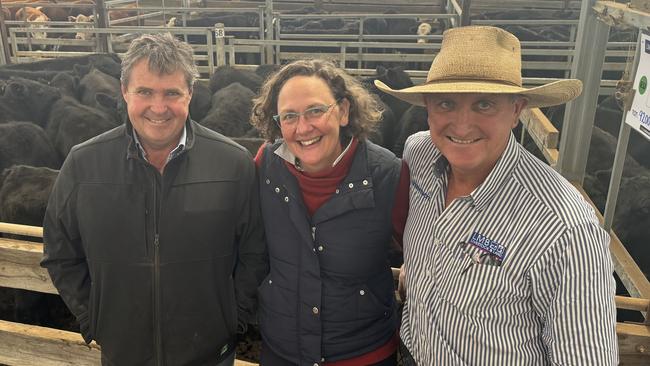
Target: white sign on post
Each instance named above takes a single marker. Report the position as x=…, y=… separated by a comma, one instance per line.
x=219, y=31
x=639, y=115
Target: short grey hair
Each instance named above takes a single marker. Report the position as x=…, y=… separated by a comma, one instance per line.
x=165, y=55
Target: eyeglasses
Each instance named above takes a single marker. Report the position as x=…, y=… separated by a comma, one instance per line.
x=312, y=114
x=168, y=96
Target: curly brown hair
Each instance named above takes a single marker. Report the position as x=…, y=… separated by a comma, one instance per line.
x=365, y=111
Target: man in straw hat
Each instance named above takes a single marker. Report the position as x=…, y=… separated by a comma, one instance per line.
x=505, y=263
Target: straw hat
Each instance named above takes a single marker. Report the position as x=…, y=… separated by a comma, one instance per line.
x=481, y=59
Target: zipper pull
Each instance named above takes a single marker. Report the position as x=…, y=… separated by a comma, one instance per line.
x=313, y=232
x=156, y=240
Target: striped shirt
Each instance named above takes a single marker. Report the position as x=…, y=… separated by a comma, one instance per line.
x=516, y=273
x=172, y=154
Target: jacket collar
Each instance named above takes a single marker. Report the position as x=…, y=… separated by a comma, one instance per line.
x=133, y=150
x=283, y=151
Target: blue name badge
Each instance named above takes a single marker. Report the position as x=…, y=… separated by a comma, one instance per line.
x=488, y=245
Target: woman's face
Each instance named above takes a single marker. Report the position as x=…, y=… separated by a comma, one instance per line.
x=310, y=120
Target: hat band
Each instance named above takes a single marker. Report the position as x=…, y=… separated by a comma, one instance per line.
x=473, y=80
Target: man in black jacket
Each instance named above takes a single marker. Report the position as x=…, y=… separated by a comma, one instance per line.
x=153, y=234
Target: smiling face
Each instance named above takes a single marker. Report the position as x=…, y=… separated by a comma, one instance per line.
x=158, y=106
x=313, y=140
x=472, y=130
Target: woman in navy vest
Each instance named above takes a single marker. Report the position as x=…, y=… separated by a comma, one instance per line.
x=332, y=201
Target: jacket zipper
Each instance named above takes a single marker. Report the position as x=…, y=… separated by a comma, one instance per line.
x=156, y=274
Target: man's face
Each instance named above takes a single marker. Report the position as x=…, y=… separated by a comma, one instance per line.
x=158, y=106
x=472, y=130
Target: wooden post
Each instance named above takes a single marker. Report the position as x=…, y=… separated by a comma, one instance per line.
x=220, y=36
x=4, y=37
x=269, y=34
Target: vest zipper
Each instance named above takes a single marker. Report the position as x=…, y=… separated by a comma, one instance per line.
x=156, y=275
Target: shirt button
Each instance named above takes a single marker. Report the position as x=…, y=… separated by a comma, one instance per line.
x=351, y=185
x=315, y=364
x=320, y=248
x=365, y=182
x=314, y=310
x=337, y=191
x=277, y=190
x=362, y=292
x=428, y=273
x=313, y=250
x=286, y=199
x=268, y=181
x=322, y=359
x=270, y=282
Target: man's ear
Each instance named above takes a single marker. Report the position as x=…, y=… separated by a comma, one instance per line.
x=123, y=89
x=520, y=104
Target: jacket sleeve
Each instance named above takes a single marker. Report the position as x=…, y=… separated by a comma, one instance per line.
x=63, y=253
x=252, y=257
x=573, y=292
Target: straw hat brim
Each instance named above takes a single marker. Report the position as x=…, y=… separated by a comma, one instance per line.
x=557, y=92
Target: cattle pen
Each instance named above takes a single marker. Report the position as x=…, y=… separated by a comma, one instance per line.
x=22, y=344
x=596, y=45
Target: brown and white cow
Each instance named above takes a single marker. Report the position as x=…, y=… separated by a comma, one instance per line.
x=34, y=17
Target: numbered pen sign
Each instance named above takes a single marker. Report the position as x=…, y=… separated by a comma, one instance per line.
x=219, y=32
x=639, y=115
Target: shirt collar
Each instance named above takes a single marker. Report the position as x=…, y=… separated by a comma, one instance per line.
x=286, y=154
x=483, y=194
x=174, y=153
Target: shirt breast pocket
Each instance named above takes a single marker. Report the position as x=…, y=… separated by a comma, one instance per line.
x=467, y=280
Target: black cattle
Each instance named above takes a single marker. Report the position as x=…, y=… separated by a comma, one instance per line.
x=239, y=20
x=401, y=26
x=226, y=75
x=71, y=123
x=27, y=100
x=228, y=20
x=601, y=156
x=323, y=25
x=28, y=74
x=307, y=10
x=99, y=90
x=375, y=26
x=599, y=166
x=108, y=63
x=201, y=101
x=66, y=82
x=24, y=191
x=609, y=117
x=396, y=78
x=632, y=218
x=26, y=143
x=231, y=110
x=412, y=121
x=266, y=70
